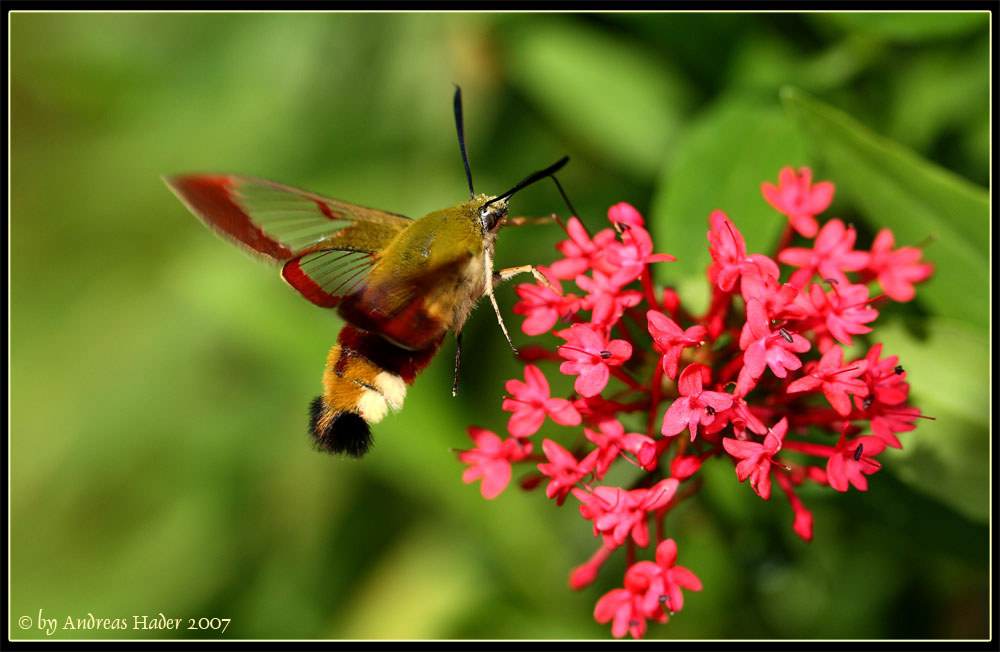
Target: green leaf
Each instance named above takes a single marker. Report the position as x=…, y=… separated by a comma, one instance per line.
x=612, y=94
x=765, y=61
x=941, y=92
x=909, y=27
x=948, y=371
x=896, y=188
x=720, y=164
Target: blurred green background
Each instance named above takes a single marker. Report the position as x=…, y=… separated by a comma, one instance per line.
x=160, y=378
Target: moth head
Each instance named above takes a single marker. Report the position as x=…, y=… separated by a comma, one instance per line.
x=491, y=210
x=491, y=213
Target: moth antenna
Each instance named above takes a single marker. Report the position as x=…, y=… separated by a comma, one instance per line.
x=572, y=211
x=530, y=179
x=489, y=290
x=461, y=138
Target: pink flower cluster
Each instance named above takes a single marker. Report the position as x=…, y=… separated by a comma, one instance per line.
x=759, y=380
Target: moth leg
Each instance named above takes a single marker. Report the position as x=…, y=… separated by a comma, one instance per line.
x=506, y=274
x=490, y=281
x=522, y=221
x=458, y=362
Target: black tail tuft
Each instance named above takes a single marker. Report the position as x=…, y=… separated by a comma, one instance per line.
x=347, y=433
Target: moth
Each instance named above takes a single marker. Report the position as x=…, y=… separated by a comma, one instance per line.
x=399, y=284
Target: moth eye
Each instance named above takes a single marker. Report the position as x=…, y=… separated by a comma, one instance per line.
x=489, y=217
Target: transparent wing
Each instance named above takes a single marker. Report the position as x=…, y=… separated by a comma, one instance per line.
x=280, y=222
x=326, y=246
x=327, y=276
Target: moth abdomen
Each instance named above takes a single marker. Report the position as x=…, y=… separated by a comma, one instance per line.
x=365, y=377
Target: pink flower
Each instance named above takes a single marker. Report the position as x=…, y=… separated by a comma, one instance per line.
x=852, y=461
x=543, y=305
x=684, y=466
x=780, y=300
x=581, y=253
x=729, y=253
x=755, y=459
x=624, y=608
x=530, y=402
x=605, y=297
x=597, y=411
x=886, y=378
x=490, y=460
x=649, y=455
x=651, y=590
x=672, y=340
x=803, y=523
x=836, y=379
x=632, y=254
x=623, y=213
x=694, y=405
x=762, y=347
x=563, y=469
x=617, y=513
x=844, y=309
x=830, y=256
x=611, y=441
x=898, y=270
x=589, y=354
x=666, y=582
x=752, y=322
x=740, y=417
x=798, y=199
x=887, y=420
x=585, y=574
x=887, y=391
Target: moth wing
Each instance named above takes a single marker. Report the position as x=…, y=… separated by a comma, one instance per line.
x=327, y=247
x=327, y=276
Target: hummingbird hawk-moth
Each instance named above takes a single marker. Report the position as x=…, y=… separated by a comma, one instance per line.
x=399, y=284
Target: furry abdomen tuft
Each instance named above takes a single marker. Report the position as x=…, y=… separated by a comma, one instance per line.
x=343, y=433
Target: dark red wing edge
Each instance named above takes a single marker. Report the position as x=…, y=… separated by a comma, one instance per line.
x=209, y=197
x=294, y=276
